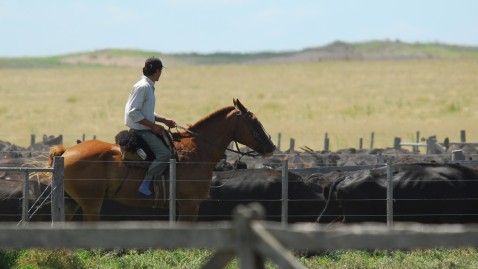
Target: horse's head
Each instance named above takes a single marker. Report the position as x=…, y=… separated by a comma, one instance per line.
x=250, y=131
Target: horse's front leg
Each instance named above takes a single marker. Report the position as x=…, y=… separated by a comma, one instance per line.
x=91, y=209
x=188, y=210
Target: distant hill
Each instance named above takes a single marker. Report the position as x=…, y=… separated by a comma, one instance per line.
x=342, y=51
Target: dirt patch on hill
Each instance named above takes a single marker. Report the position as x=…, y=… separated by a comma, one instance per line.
x=104, y=59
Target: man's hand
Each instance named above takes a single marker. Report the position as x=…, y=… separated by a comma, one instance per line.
x=170, y=123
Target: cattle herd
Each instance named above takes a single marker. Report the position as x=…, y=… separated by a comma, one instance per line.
x=426, y=188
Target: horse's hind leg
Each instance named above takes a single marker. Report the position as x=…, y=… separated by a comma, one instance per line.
x=71, y=208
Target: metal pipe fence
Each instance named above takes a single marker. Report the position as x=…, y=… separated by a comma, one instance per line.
x=57, y=190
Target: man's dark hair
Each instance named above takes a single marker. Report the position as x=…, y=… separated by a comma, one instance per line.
x=151, y=65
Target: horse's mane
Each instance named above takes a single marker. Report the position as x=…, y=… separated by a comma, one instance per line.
x=212, y=116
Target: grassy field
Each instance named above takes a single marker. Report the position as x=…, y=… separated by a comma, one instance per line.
x=188, y=259
x=346, y=99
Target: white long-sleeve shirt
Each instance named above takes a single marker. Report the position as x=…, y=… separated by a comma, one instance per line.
x=140, y=104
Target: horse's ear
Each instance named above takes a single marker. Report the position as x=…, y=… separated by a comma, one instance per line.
x=240, y=106
x=234, y=101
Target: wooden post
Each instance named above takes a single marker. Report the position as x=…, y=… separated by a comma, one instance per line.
x=172, y=192
x=32, y=140
x=431, y=145
x=57, y=191
x=372, y=138
x=463, y=136
x=255, y=242
x=278, y=141
x=26, y=198
x=361, y=143
x=84, y=138
x=396, y=142
x=417, y=140
x=285, y=193
x=292, y=145
x=246, y=253
x=389, y=193
x=326, y=142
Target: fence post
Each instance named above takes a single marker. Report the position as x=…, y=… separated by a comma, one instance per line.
x=278, y=141
x=26, y=198
x=389, y=193
x=247, y=254
x=396, y=142
x=172, y=191
x=463, y=136
x=57, y=191
x=360, y=143
x=431, y=145
x=326, y=142
x=372, y=138
x=285, y=192
x=292, y=145
x=417, y=140
x=32, y=140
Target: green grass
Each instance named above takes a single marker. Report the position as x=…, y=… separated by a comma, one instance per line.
x=183, y=258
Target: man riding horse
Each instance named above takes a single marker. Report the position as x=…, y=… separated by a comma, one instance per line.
x=141, y=119
x=95, y=170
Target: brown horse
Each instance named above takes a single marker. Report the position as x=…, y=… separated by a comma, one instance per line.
x=94, y=169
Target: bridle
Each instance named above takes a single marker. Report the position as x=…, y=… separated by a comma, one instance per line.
x=247, y=116
x=261, y=139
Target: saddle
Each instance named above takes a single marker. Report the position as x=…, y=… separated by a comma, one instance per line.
x=135, y=152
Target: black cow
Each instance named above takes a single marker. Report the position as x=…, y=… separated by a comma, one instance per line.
x=264, y=186
x=11, y=201
x=422, y=192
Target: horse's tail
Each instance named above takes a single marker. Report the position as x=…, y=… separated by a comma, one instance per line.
x=56, y=150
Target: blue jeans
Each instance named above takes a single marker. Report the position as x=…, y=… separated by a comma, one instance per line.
x=160, y=150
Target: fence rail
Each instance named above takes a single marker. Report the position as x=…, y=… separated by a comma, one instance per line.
x=247, y=237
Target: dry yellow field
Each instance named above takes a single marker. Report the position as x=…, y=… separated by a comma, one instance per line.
x=347, y=100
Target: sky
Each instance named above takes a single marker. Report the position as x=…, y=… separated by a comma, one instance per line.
x=54, y=27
